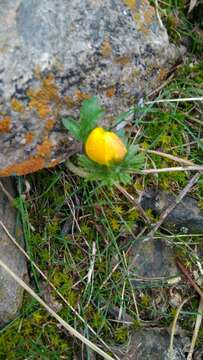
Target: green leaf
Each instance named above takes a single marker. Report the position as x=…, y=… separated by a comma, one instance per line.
x=116, y=173
x=90, y=113
x=71, y=125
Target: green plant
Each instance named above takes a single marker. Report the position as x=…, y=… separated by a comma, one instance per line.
x=115, y=172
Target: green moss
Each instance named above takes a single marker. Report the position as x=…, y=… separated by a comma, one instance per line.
x=121, y=334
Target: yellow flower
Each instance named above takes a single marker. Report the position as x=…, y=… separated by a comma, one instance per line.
x=104, y=147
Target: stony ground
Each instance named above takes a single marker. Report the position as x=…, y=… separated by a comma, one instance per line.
x=128, y=282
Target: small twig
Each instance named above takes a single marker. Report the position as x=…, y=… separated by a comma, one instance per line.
x=110, y=275
x=196, y=329
x=189, y=278
x=10, y=198
x=122, y=302
x=133, y=201
x=157, y=14
x=171, y=357
x=170, y=208
x=172, y=169
x=169, y=156
x=159, y=88
x=92, y=262
x=68, y=327
x=174, y=100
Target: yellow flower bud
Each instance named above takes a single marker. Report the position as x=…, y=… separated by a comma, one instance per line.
x=104, y=147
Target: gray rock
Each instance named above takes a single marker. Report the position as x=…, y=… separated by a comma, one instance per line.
x=187, y=217
x=11, y=294
x=55, y=53
x=152, y=344
x=152, y=259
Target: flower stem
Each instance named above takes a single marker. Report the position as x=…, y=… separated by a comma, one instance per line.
x=76, y=170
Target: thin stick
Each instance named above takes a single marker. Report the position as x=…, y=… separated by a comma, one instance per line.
x=133, y=201
x=71, y=330
x=157, y=14
x=172, y=169
x=52, y=285
x=80, y=172
x=189, y=278
x=92, y=262
x=171, y=357
x=168, y=156
x=174, y=100
x=159, y=88
x=170, y=208
x=122, y=301
x=10, y=198
x=196, y=330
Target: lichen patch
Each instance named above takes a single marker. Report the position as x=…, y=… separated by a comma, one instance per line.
x=29, y=137
x=106, y=48
x=17, y=105
x=44, y=149
x=25, y=167
x=130, y=3
x=43, y=99
x=110, y=92
x=5, y=124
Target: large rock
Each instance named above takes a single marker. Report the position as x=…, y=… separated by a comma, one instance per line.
x=151, y=344
x=187, y=216
x=151, y=260
x=11, y=293
x=55, y=53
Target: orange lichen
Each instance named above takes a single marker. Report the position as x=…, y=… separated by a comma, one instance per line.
x=148, y=15
x=44, y=98
x=69, y=102
x=49, y=124
x=106, y=49
x=80, y=96
x=25, y=167
x=17, y=105
x=110, y=92
x=162, y=74
x=5, y=124
x=44, y=149
x=28, y=137
x=53, y=163
x=44, y=111
x=123, y=60
x=130, y=3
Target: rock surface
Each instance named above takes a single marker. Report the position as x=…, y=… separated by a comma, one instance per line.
x=54, y=54
x=152, y=344
x=187, y=216
x=152, y=259
x=11, y=293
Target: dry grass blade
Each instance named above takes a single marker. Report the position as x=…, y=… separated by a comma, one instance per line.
x=10, y=198
x=172, y=169
x=157, y=14
x=174, y=100
x=70, y=329
x=173, y=329
x=52, y=286
x=189, y=278
x=134, y=202
x=193, y=3
x=196, y=329
x=168, y=156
